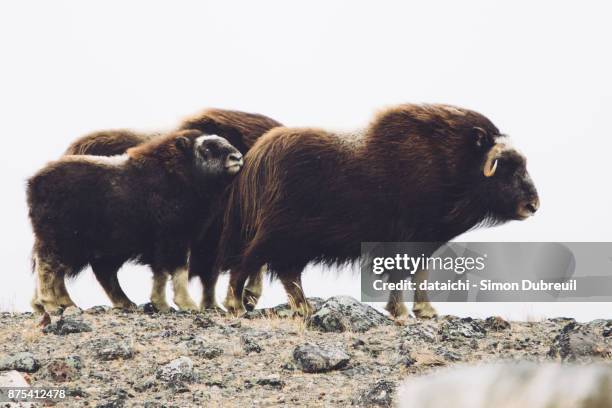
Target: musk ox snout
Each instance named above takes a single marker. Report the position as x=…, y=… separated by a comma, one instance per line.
x=530, y=202
x=234, y=162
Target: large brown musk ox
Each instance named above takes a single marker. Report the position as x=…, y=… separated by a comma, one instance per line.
x=241, y=129
x=146, y=205
x=421, y=173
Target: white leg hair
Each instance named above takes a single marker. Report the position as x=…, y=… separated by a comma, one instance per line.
x=180, y=283
x=46, y=275
x=61, y=293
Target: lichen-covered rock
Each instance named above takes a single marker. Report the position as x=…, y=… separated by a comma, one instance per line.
x=459, y=329
x=342, y=313
x=314, y=358
x=283, y=310
x=379, y=395
x=578, y=342
x=62, y=370
x=24, y=362
x=272, y=381
x=100, y=309
x=510, y=385
x=177, y=371
x=421, y=331
x=107, y=349
x=249, y=345
x=203, y=322
x=202, y=348
x=67, y=325
x=496, y=323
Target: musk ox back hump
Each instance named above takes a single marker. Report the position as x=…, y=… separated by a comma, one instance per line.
x=107, y=142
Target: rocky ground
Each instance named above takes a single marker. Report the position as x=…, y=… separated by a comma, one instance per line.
x=346, y=353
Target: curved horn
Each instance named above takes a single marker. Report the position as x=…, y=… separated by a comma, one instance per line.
x=491, y=163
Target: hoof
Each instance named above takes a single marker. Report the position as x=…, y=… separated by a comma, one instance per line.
x=424, y=311
x=398, y=311
x=250, y=299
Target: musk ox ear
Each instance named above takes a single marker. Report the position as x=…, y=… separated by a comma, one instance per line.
x=480, y=136
x=183, y=144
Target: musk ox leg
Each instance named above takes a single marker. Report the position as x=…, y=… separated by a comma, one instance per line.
x=158, y=291
x=201, y=264
x=48, y=270
x=395, y=306
x=209, y=302
x=295, y=294
x=107, y=277
x=61, y=293
x=253, y=289
x=180, y=283
x=233, y=301
x=421, y=308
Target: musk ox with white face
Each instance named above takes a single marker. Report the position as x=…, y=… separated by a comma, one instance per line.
x=147, y=205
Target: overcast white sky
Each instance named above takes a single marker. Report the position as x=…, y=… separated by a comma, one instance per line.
x=539, y=70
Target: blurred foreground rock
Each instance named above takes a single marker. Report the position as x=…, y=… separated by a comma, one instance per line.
x=511, y=385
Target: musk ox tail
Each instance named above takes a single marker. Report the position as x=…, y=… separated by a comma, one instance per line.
x=107, y=143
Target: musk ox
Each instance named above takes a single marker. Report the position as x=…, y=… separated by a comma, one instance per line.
x=146, y=205
x=421, y=173
x=241, y=129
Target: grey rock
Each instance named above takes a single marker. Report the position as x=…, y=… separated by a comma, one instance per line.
x=24, y=362
x=272, y=381
x=67, y=325
x=203, y=322
x=145, y=384
x=249, y=345
x=107, y=349
x=177, y=371
x=579, y=341
x=313, y=358
x=456, y=329
x=496, y=323
x=448, y=355
x=62, y=370
x=100, y=309
x=202, y=348
x=284, y=310
x=536, y=385
x=420, y=331
x=342, y=313
x=116, y=399
x=379, y=395
x=72, y=311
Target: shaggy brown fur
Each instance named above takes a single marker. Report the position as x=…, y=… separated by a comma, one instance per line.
x=424, y=173
x=146, y=206
x=242, y=130
x=107, y=142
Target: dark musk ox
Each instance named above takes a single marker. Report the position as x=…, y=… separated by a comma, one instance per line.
x=420, y=173
x=146, y=205
x=241, y=129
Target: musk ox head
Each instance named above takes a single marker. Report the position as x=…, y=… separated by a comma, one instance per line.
x=213, y=156
x=507, y=188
